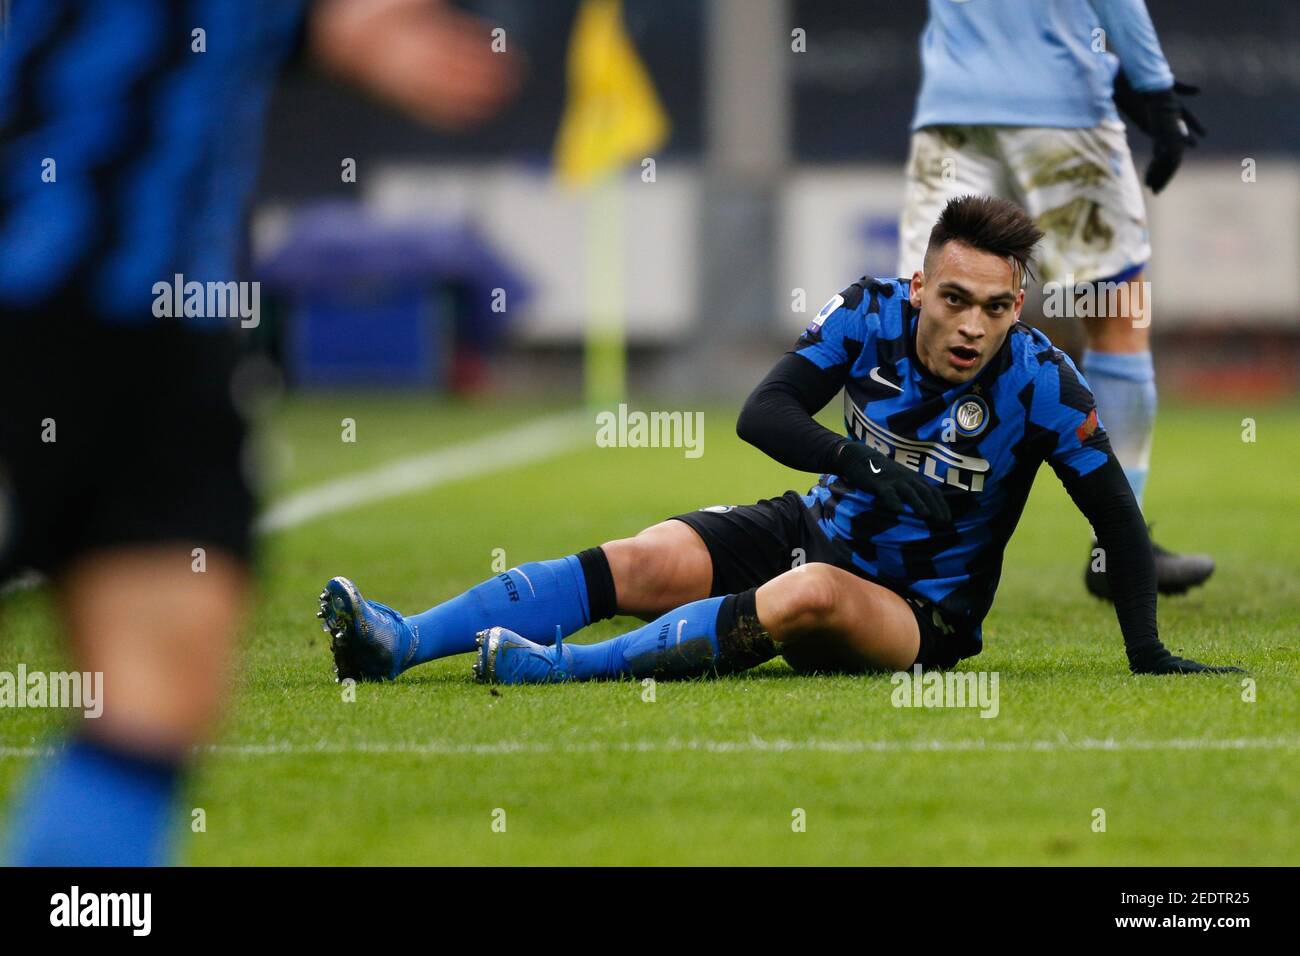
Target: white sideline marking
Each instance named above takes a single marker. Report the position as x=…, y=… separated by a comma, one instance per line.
x=525, y=444
x=752, y=745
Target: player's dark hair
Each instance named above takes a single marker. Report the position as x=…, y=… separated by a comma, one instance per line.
x=992, y=225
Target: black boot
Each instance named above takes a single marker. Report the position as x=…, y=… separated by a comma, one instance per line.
x=1175, y=573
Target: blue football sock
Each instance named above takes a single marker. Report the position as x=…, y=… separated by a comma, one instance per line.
x=1124, y=384
x=91, y=805
x=682, y=643
x=529, y=600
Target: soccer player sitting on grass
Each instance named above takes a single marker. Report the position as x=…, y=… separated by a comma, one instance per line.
x=892, y=559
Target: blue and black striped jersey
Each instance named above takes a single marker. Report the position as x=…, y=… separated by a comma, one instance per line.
x=981, y=442
x=130, y=145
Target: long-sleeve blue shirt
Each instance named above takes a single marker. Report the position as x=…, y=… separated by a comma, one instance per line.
x=1034, y=62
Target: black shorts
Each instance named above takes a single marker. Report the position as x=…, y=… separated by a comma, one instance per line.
x=115, y=435
x=751, y=544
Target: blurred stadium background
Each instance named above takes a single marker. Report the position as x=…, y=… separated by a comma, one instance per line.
x=779, y=181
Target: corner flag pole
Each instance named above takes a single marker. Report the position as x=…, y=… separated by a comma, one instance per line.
x=605, y=352
x=612, y=116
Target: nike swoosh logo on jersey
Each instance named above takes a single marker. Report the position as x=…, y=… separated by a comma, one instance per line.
x=877, y=377
x=874, y=469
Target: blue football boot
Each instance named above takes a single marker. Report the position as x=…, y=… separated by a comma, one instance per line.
x=506, y=658
x=370, y=641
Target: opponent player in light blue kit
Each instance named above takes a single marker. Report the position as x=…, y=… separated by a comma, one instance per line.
x=1018, y=99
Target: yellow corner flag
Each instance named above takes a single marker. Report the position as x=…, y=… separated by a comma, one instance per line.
x=613, y=114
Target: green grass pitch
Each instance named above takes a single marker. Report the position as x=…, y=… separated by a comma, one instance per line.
x=712, y=772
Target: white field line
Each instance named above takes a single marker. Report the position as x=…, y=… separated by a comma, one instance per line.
x=752, y=745
x=534, y=441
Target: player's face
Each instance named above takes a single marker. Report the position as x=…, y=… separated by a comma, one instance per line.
x=968, y=300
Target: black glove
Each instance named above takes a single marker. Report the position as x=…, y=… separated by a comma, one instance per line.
x=868, y=470
x=1162, y=116
x=1160, y=661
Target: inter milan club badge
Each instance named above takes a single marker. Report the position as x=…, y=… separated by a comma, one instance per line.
x=971, y=415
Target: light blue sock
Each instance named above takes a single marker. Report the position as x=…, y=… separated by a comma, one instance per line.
x=529, y=600
x=682, y=643
x=91, y=805
x=1124, y=384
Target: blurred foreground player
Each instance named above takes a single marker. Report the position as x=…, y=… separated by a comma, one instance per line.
x=127, y=159
x=1019, y=100
x=890, y=561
